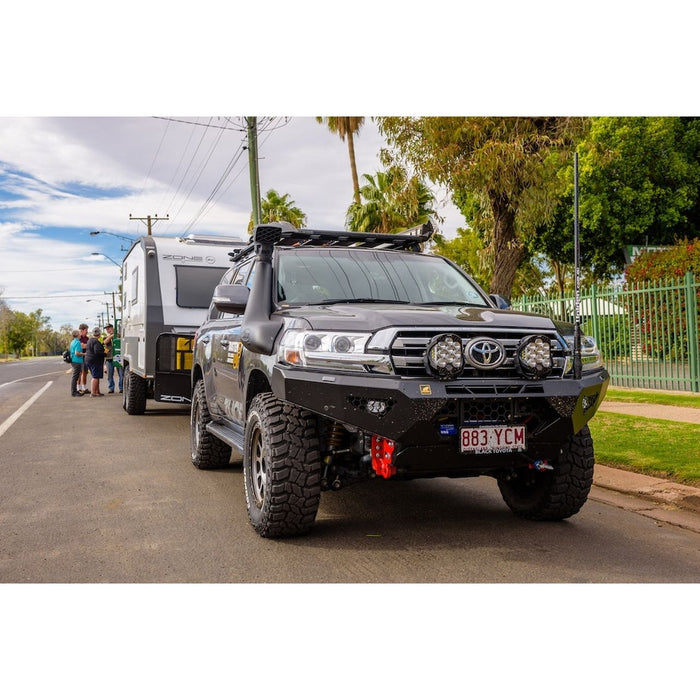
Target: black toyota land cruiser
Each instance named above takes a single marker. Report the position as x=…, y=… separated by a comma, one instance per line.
x=330, y=358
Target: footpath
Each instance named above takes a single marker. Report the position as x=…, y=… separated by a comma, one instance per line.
x=656, y=498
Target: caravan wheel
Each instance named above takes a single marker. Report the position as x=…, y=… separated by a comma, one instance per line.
x=134, y=400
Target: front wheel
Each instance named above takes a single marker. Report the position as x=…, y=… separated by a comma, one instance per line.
x=206, y=450
x=556, y=494
x=281, y=467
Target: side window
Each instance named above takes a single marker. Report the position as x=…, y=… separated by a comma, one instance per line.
x=251, y=276
x=135, y=286
x=236, y=275
x=242, y=273
x=226, y=278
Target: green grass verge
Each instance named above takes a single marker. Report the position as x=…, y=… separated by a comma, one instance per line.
x=645, y=396
x=661, y=448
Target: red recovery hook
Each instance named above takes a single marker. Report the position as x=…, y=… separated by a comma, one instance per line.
x=382, y=456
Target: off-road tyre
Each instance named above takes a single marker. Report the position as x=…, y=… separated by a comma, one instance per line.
x=556, y=494
x=134, y=397
x=206, y=450
x=281, y=467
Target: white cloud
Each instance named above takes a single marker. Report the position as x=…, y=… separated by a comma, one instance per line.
x=65, y=177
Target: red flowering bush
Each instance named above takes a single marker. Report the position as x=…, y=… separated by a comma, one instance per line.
x=663, y=321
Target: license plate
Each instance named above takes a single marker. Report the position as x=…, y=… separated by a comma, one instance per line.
x=492, y=439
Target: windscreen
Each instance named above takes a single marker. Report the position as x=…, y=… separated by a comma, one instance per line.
x=331, y=275
x=195, y=285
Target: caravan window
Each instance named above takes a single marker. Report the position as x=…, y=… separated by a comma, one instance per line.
x=195, y=285
x=135, y=285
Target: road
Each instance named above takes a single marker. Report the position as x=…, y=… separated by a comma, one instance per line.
x=91, y=494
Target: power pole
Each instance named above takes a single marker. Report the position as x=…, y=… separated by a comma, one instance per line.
x=149, y=220
x=252, y=124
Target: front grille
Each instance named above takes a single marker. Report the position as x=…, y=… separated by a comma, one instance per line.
x=532, y=412
x=409, y=348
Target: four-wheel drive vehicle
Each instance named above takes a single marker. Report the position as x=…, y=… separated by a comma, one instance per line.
x=330, y=358
x=167, y=285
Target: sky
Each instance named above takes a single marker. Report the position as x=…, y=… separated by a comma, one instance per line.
x=62, y=178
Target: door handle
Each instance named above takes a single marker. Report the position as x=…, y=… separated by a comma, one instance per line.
x=224, y=343
x=205, y=339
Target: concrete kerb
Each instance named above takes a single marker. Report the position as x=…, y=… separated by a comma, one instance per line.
x=652, y=488
x=658, y=498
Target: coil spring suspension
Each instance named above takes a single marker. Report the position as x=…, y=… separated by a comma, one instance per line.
x=336, y=433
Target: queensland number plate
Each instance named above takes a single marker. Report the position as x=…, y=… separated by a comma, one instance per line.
x=492, y=439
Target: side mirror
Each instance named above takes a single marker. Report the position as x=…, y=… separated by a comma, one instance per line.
x=499, y=301
x=231, y=298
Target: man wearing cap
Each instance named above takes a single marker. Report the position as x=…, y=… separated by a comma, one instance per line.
x=109, y=360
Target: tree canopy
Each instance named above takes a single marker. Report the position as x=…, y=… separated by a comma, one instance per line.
x=503, y=167
x=639, y=184
x=391, y=201
x=276, y=207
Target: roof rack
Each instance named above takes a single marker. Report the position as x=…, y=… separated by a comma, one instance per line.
x=285, y=235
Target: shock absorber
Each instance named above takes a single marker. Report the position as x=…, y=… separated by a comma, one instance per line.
x=334, y=438
x=336, y=432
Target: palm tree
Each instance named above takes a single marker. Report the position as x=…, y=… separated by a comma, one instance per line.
x=393, y=202
x=347, y=127
x=276, y=207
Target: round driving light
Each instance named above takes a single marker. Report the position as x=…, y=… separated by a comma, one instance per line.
x=535, y=356
x=444, y=356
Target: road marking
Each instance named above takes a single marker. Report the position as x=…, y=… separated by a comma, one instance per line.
x=34, y=376
x=23, y=408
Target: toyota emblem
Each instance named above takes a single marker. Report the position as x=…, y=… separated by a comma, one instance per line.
x=485, y=353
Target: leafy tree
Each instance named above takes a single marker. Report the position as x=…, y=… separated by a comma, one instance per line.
x=639, y=184
x=20, y=332
x=276, y=207
x=503, y=166
x=347, y=128
x=393, y=202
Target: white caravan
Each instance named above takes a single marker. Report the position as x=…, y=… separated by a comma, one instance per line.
x=167, y=285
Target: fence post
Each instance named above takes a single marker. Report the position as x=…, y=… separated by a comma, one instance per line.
x=691, y=319
x=594, y=313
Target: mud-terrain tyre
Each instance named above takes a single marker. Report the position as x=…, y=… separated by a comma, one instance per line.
x=134, y=397
x=281, y=467
x=556, y=494
x=206, y=450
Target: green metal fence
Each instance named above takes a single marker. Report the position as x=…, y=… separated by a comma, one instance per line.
x=648, y=333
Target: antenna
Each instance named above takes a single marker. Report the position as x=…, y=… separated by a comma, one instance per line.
x=577, y=278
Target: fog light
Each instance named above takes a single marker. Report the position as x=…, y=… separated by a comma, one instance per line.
x=444, y=356
x=379, y=408
x=535, y=356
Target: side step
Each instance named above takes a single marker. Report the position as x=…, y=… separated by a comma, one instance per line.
x=230, y=435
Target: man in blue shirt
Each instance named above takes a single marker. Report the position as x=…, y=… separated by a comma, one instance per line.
x=76, y=363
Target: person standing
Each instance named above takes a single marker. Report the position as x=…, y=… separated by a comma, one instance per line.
x=76, y=363
x=95, y=360
x=82, y=384
x=109, y=360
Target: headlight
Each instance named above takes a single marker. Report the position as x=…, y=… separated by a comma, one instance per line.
x=330, y=349
x=591, y=358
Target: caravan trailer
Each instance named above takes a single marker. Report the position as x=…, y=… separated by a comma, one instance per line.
x=167, y=285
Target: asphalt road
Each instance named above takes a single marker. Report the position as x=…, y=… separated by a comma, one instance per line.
x=91, y=494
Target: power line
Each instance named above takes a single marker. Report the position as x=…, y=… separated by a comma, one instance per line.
x=208, y=126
